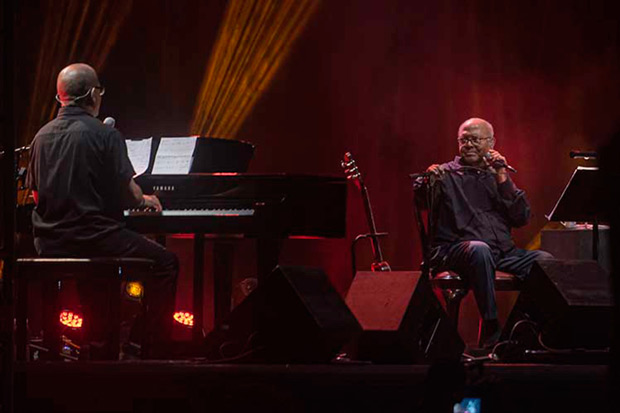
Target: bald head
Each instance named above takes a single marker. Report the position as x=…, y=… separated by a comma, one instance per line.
x=481, y=125
x=75, y=85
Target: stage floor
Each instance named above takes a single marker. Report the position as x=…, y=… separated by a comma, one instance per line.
x=194, y=386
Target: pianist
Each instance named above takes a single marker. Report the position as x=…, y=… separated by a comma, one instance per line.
x=82, y=180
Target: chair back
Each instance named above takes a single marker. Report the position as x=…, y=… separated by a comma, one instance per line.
x=422, y=199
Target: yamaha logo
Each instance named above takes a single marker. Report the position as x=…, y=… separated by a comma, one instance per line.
x=163, y=188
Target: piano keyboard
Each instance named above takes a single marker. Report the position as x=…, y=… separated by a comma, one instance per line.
x=255, y=205
x=192, y=213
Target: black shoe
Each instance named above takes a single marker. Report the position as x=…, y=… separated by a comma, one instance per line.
x=489, y=333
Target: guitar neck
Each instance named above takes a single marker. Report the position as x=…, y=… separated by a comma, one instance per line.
x=376, y=247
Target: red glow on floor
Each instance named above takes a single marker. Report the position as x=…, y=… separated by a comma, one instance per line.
x=71, y=319
x=185, y=318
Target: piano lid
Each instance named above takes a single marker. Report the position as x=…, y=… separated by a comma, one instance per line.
x=221, y=155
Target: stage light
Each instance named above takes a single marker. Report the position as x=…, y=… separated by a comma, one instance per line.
x=185, y=318
x=73, y=31
x=134, y=289
x=70, y=319
x=254, y=40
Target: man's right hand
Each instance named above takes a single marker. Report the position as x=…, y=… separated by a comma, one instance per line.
x=436, y=170
x=151, y=201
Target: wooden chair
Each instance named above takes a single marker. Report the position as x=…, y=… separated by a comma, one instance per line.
x=449, y=284
x=51, y=272
x=453, y=289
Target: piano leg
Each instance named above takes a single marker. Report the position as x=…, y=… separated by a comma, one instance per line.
x=223, y=253
x=267, y=256
x=198, y=286
x=268, y=252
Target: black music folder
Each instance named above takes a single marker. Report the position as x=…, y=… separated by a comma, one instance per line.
x=580, y=200
x=221, y=155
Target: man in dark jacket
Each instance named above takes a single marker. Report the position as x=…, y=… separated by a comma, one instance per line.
x=475, y=206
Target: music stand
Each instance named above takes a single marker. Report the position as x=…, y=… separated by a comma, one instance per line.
x=579, y=202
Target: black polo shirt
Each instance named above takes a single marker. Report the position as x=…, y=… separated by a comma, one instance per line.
x=81, y=171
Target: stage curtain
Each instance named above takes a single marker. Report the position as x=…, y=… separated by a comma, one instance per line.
x=74, y=31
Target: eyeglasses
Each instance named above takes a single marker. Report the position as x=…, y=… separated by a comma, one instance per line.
x=101, y=90
x=475, y=140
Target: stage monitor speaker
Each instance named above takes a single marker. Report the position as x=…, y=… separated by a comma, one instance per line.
x=571, y=303
x=294, y=316
x=402, y=320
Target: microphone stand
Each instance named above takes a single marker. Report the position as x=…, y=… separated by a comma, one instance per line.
x=421, y=180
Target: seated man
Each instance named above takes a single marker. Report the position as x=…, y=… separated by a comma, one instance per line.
x=82, y=180
x=475, y=205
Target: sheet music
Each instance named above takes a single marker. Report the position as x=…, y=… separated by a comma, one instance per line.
x=174, y=156
x=139, y=152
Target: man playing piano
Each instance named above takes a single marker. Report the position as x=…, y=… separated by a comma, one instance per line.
x=475, y=206
x=82, y=180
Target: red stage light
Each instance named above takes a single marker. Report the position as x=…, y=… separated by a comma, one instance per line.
x=185, y=318
x=71, y=319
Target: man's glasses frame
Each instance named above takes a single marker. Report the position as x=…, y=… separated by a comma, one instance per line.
x=101, y=89
x=475, y=140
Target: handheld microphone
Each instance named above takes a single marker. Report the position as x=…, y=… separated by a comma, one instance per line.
x=110, y=121
x=499, y=164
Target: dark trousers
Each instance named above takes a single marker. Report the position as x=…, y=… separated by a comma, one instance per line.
x=474, y=261
x=159, y=285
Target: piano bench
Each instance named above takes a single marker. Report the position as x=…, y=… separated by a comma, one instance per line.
x=51, y=272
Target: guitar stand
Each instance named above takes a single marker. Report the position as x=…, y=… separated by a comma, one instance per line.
x=354, y=243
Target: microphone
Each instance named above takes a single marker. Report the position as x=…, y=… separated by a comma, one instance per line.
x=18, y=151
x=499, y=164
x=110, y=121
x=583, y=154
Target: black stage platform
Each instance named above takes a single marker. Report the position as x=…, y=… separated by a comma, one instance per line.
x=194, y=386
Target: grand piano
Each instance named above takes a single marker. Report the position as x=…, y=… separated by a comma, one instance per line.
x=229, y=204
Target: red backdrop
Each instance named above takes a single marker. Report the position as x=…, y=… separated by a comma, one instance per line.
x=390, y=81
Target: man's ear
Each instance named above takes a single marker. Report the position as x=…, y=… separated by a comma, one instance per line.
x=90, y=99
x=492, y=143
